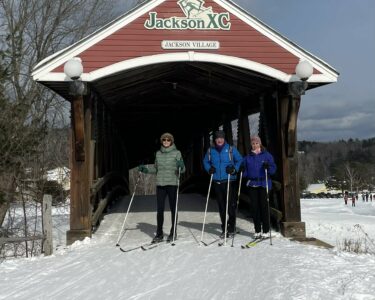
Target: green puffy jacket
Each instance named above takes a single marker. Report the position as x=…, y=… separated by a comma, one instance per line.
x=165, y=166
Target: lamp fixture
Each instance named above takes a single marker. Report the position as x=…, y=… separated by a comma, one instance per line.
x=304, y=70
x=73, y=69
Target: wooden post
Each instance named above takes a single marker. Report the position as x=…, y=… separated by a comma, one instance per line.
x=47, y=225
x=228, y=132
x=80, y=208
x=78, y=128
x=243, y=132
x=288, y=113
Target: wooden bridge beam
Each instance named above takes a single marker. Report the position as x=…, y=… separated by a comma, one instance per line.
x=80, y=208
x=291, y=207
x=243, y=132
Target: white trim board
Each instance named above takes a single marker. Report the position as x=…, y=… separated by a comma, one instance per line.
x=186, y=56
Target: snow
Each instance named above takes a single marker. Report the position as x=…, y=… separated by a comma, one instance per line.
x=96, y=269
x=61, y=175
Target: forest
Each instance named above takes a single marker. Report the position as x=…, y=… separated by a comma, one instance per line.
x=344, y=165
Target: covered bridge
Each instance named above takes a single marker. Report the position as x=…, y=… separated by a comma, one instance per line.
x=184, y=66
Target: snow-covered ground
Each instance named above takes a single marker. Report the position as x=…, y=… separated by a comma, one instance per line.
x=332, y=221
x=96, y=269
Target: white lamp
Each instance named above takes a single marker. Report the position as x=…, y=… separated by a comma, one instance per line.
x=304, y=70
x=73, y=68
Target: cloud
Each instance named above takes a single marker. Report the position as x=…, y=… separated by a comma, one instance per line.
x=329, y=113
x=334, y=121
x=342, y=33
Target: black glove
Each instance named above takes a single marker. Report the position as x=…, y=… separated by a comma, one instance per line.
x=143, y=169
x=241, y=168
x=230, y=170
x=266, y=165
x=212, y=170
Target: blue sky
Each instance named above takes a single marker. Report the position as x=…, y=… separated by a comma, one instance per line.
x=342, y=33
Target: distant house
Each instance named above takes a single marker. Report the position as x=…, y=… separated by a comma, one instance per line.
x=317, y=188
x=321, y=188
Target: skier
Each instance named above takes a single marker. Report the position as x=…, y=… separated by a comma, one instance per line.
x=167, y=162
x=255, y=164
x=224, y=161
x=353, y=199
x=346, y=196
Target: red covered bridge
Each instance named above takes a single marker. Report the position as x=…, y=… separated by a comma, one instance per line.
x=185, y=66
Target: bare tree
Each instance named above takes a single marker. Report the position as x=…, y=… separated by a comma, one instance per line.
x=30, y=31
x=352, y=176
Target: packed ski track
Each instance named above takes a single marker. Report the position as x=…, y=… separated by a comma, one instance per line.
x=96, y=269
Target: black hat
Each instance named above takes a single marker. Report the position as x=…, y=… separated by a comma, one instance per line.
x=219, y=134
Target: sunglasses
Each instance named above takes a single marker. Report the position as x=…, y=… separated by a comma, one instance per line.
x=168, y=140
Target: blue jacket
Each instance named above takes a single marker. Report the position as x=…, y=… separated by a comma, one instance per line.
x=254, y=171
x=220, y=160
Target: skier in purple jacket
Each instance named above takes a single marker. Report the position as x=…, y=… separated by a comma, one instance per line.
x=255, y=164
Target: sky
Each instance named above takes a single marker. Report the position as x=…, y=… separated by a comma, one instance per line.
x=96, y=269
x=341, y=33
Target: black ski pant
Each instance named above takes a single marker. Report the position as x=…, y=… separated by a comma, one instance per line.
x=220, y=189
x=258, y=198
x=161, y=193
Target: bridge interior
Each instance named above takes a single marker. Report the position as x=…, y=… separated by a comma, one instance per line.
x=186, y=99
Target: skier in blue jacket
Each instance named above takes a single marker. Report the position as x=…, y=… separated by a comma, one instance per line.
x=222, y=161
x=255, y=164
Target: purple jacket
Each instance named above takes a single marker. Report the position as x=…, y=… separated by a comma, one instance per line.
x=254, y=171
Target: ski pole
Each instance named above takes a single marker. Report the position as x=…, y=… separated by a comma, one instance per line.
x=269, y=208
x=205, y=211
x=238, y=201
x=175, y=212
x=226, y=213
x=127, y=212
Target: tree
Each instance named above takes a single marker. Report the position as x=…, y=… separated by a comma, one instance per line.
x=337, y=162
x=352, y=176
x=32, y=30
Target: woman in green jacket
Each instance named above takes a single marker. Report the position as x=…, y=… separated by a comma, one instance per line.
x=167, y=162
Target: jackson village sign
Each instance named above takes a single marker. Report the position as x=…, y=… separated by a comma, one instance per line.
x=197, y=17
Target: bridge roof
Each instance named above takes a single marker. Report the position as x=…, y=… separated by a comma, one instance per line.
x=126, y=43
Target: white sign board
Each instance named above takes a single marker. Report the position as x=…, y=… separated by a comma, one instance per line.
x=190, y=45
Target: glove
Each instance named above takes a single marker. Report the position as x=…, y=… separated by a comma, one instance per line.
x=230, y=170
x=212, y=170
x=180, y=164
x=241, y=168
x=266, y=165
x=143, y=169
